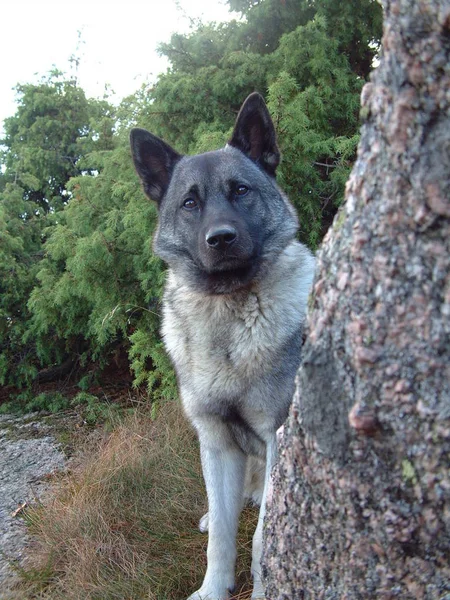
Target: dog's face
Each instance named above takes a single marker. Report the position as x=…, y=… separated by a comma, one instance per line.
x=221, y=214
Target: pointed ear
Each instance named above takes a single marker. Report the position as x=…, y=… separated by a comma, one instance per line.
x=154, y=161
x=254, y=134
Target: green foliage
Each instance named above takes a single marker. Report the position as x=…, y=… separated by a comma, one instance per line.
x=48, y=401
x=46, y=137
x=20, y=248
x=312, y=60
x=26, y=402
x=77, y=275
x=54, y=126
x=95, y=410
x=314, y=101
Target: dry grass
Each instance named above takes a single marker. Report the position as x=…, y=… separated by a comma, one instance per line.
x=125, y=525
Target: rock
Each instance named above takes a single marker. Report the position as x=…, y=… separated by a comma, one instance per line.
x=360, y=499
x=28, y=455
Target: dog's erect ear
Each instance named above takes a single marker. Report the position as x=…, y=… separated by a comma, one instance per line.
x=154, y=161
x=254, y=134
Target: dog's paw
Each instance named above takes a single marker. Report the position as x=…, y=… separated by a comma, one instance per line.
x=209, y=594
x=258, y=591
x=256, y=498
x=216, y=586
x=203, y=524
x=197, y=596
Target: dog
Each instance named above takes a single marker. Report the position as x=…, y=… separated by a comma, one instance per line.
x=233, y=313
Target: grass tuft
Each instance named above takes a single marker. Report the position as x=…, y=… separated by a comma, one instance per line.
x=124, y=525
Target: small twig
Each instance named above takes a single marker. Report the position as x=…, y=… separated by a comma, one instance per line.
x=320, y=164
x=19, y=510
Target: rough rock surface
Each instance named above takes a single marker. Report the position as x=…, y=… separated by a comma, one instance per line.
x=27, y=455
x=360, y=505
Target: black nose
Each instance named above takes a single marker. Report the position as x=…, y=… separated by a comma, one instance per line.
x=221, y=237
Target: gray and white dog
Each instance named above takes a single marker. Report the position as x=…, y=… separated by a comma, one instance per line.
x=234, y=309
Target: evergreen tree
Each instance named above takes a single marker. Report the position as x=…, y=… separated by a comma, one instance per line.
x=78, y=279
x=42, y=149
x=99, y=284
x=310, y=58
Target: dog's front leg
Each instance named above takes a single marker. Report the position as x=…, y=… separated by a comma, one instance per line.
x=258, y=590
x=223, y=466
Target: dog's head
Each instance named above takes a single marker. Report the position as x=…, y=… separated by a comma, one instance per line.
x=222, y=217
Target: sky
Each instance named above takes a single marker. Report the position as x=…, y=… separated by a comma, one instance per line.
x=117, y=46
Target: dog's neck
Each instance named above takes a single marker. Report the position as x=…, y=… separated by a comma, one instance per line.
x=295, y=263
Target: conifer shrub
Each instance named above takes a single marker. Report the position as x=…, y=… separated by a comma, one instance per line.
x=78, y=279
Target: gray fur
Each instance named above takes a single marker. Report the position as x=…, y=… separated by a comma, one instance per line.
x=234, y=309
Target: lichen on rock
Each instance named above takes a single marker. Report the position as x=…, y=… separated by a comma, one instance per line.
x=360, y=506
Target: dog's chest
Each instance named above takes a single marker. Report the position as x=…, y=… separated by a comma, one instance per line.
x=246, y=315
x=222, y=345
x=244, y=333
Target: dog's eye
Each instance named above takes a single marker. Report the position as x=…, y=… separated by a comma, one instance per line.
x=190, y=203
x=241, y=190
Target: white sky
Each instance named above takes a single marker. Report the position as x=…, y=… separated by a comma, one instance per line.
x=119, y=40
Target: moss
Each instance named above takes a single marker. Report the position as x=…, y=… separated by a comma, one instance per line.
x=311, y=301
x=339, y=220
x=408, y=472
x=364, y=114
